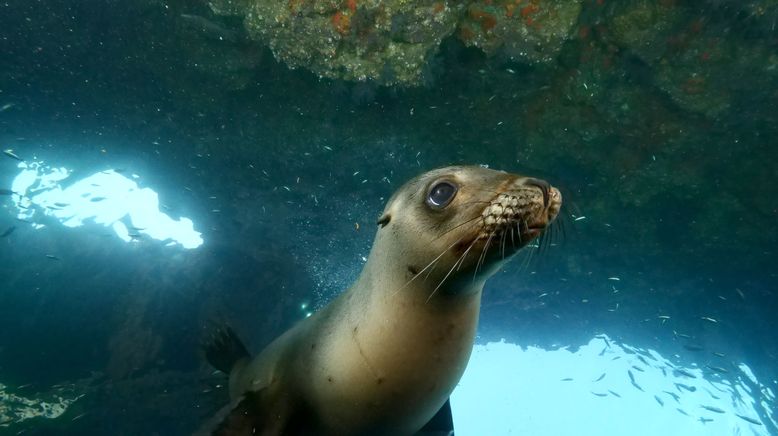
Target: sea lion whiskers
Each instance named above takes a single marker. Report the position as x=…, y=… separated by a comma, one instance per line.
x=552, y=233
x=528, y=258
x=560, y=226
x=502, y=243
x=482, y=257
x=429, y=272
x=436, y=259
x=549, y=237
x=466, y=251
x=548, y=234
x=455, y=266
x=429, y=265
x=542, y=243
x=513, y=242
x=529, y=252
x=457, y=226
x=563, y=228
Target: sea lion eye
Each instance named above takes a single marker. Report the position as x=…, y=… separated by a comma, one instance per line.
x=441, y=194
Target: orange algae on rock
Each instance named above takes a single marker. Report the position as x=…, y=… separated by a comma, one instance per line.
x=522, y=29
x=341, y=22
x=465, y=33
x=294, y=5
x=485, y=19
x=392, y=42
x=528, y=11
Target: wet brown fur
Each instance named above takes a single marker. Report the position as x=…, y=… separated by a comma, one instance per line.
x=384, y=356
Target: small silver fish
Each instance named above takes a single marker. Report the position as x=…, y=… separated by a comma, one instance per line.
x=680, y=386
x=675, y=396
x=718, y=369
x=684, y=373
x=79, y=416
x=712, y=409
x=634, y=383
x=747, y=419
x=10, y=153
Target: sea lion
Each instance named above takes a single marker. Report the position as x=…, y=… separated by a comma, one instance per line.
x=384, y=356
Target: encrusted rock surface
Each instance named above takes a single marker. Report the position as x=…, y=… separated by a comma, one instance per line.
x=391, y=42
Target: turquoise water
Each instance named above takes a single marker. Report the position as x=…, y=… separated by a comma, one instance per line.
x=168, y=168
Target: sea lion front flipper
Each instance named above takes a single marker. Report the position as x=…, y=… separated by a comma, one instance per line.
x=242, y=419
x=442, y=424
x=224, y=349
x=256, y=414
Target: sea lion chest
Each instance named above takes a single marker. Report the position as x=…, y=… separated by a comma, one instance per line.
x=387, y=356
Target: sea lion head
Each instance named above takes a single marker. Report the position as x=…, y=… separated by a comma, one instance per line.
x=455, y=226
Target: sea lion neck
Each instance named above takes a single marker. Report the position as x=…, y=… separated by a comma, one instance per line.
x=387, y=274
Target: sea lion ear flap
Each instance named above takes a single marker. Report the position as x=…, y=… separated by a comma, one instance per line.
x=384, y=219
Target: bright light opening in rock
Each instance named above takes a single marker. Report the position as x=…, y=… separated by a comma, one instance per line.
x=507, y=389
x=107, y=198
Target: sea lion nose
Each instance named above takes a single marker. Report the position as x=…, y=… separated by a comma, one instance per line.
x=543, y=185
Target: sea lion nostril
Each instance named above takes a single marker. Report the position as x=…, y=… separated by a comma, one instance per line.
x=543, y=185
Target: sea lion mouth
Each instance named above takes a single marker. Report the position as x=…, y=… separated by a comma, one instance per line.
x=517, y=216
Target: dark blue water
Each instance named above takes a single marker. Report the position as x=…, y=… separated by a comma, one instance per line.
x=283, y=177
